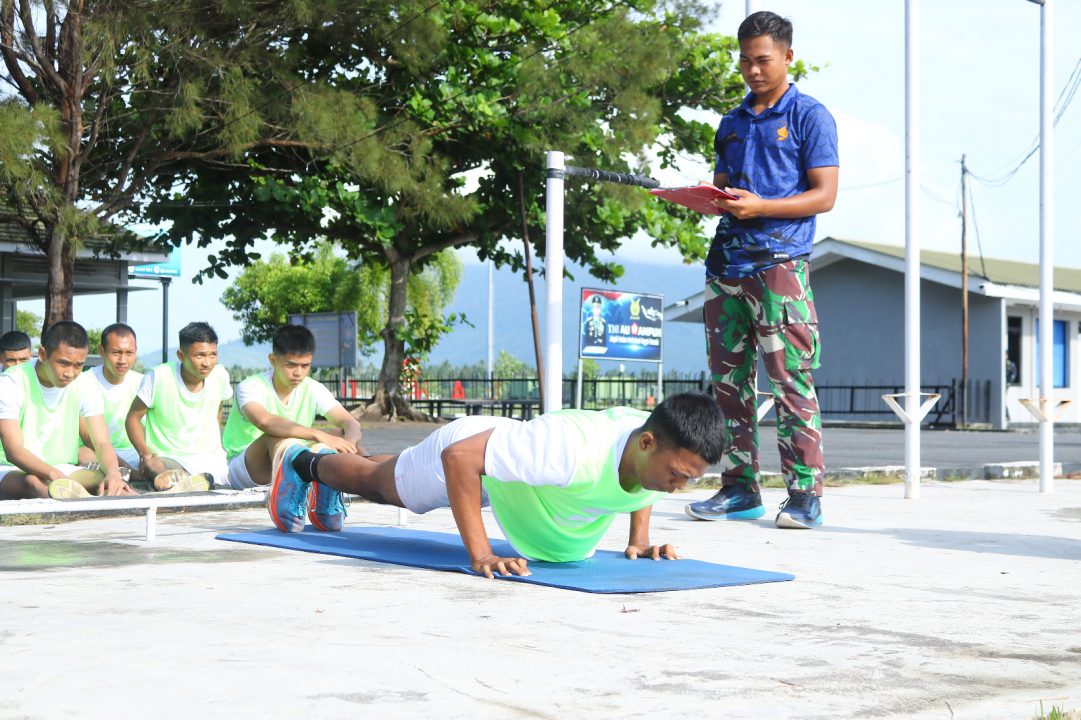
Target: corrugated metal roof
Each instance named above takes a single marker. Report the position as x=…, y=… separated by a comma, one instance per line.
x=1002, y=272
x=124, y=243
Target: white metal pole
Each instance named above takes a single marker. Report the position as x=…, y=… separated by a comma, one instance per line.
x=912, y=250
x=578, y=387
x=491, y=325
x=750, y=6
x=660, y=382
x=553, y=285
x=1047, y=266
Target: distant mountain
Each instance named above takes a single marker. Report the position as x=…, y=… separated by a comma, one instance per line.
x=684, y=347
x=230, y=354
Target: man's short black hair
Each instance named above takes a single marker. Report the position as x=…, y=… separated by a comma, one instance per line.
x=68, y=332
x=293, y=340
x=197, y=332
x=765, y=22
x=692, y=421
x=118, y=329
x=14, y=341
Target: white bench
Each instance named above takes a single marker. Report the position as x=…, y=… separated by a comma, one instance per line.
x=149, y=502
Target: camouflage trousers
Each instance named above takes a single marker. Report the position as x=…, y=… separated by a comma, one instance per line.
x=773, y=309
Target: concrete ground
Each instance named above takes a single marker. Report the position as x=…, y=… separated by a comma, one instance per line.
x=963, y=604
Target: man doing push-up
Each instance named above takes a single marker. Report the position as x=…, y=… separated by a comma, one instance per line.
x=555, y=483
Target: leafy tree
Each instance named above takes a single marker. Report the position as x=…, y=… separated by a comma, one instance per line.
x=28, y=323
x=509, y=366
x=442, y=92
x=266, y=292
x=95, y=338
x=107, y=97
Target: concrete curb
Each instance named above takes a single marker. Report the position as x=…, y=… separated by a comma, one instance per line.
x=1019, y=470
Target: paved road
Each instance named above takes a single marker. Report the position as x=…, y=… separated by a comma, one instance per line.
x=849, y=447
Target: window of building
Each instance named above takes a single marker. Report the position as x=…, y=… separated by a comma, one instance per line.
x=1060, y=355
x=1013, y=351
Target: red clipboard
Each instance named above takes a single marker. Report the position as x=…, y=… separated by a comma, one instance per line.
x=696, y=197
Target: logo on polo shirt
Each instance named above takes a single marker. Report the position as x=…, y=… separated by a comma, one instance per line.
x=782, y=133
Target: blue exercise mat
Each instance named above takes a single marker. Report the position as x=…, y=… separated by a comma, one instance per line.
x=605, y=572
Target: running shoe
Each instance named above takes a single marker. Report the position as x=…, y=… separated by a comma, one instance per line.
x=67, y=489
x=326, y=508
x=288, y=497
x=187, y=484
x=801, y=511
x=732, y=502
x=165, y=481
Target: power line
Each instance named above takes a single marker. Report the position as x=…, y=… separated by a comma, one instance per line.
x=1066, y=96
x=976, y=227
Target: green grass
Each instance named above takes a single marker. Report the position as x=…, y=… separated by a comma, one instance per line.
x=1056, y=713
x=713, y=482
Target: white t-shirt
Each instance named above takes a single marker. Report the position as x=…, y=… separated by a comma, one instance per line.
x=254, y=390
x=217, y=384
x=542, y=450
x=12, y=398
x=130, y=383
x=113, y=394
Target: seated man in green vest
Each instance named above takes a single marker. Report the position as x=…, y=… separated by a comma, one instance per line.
x=118, y=384
x=41, y=404
x=554, y=483
x=181, y=405
x=283, y=403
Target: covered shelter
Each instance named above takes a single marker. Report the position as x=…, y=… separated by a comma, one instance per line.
x=101, y=266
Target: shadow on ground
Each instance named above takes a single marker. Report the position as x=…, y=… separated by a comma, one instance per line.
x=1051, y=547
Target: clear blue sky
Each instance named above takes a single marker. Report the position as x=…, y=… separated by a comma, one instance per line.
x=980, y=71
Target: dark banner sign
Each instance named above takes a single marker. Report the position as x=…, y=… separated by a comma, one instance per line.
x=621, y=325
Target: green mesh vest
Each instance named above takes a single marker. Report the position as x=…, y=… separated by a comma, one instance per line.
x=177, y=425
x=564, y=524
x=51, y=434
x=239, y=431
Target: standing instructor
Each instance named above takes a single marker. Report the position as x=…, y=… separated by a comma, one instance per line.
x=777, y=152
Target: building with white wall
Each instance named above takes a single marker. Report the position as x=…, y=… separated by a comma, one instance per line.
x=859, y=291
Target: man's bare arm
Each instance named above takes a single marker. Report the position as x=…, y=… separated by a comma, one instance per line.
x=103, y=448
x=277, y=426
x=463, y=465
x=340, y=418
x=133, y=424
x=638, y=542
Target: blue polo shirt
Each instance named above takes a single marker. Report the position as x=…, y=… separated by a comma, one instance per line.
x=769, y=154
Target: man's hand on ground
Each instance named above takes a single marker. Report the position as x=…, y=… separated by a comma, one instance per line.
x=655, y=552
x=113, y=484
x=491, y=564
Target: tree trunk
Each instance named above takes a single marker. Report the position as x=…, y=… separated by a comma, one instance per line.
x=60, y=285
x=389, y=403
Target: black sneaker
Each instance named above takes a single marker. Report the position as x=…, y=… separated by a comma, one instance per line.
x=801, y=511
x=732, y=502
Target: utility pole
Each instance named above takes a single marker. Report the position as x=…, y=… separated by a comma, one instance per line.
x=964, y=294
